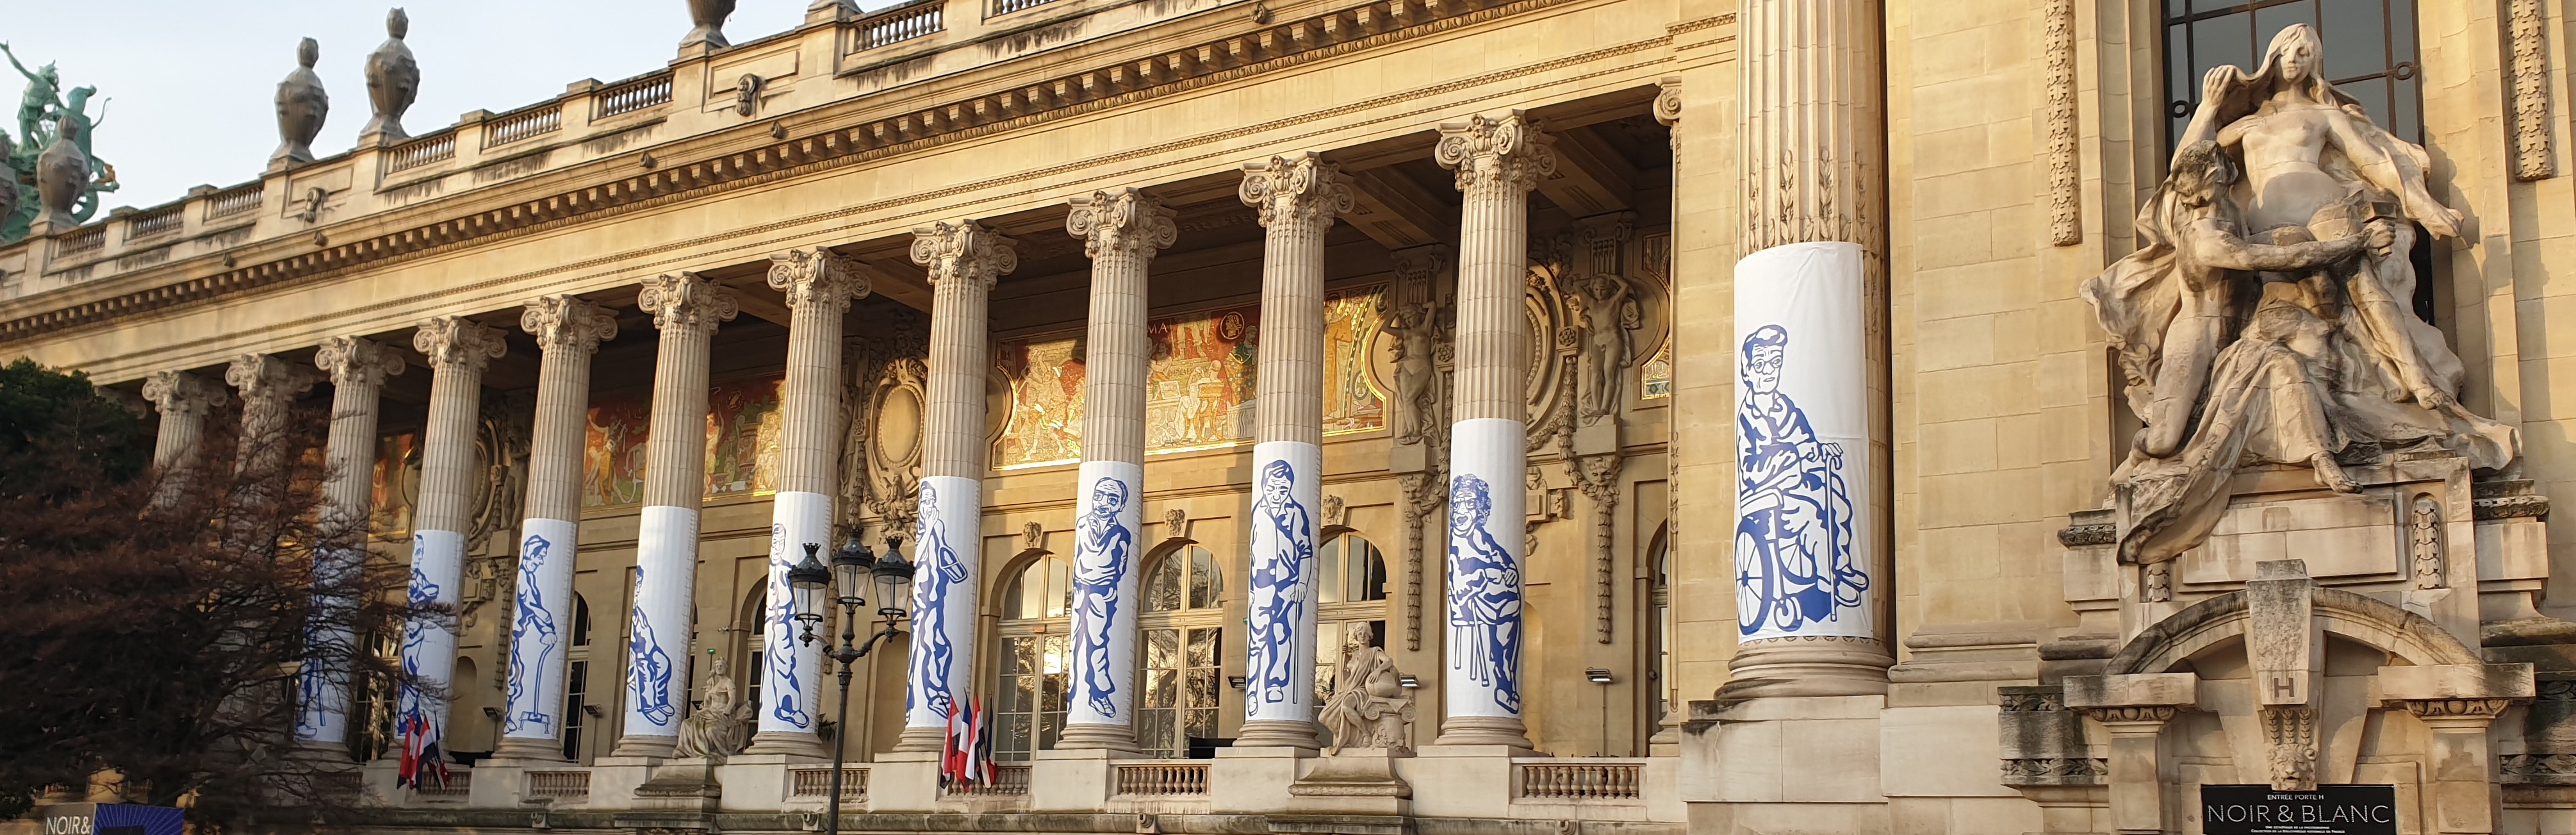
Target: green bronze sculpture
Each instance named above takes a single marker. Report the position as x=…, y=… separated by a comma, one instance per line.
x=42, y=114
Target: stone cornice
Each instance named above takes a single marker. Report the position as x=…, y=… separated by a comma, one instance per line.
x=1267, y=47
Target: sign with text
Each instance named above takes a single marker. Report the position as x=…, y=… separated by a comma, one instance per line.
x=2329, y=810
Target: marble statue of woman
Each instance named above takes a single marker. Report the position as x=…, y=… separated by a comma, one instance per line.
x=715, y=731
x=1369, y=707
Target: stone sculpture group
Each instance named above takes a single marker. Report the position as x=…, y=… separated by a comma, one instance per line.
x=50, y=173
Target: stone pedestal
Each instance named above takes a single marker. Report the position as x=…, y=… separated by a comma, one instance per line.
x=905, y=781
x=1357, y=781
x=683, y=784
x=1255, y=780
x=1074, y=780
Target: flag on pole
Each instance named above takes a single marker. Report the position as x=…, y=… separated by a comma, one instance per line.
x=983, y=743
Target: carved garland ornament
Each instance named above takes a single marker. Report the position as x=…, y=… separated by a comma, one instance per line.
x=2065, y=186
x=2527, y=35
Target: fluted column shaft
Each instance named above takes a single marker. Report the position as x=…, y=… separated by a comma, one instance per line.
x=358, y=368
x=183, y=399
x=1121, y=230
x=568, y=332
x=458, y=351
x=819, y=287
x=963, y=259
x=687, y=309
x=1498, y=161
x=1810, y=308
x=1299, y=196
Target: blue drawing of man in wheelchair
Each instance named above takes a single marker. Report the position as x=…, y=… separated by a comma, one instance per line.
x=1794, y=534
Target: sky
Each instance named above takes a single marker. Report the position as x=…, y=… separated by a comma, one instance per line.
x=190, y=84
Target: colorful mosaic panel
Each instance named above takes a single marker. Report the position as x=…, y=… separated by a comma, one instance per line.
x=393, y=485
x=742, y=443
x=1352, y=402
x=1656, y=379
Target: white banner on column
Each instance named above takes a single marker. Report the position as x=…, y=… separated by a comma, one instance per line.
x=666, y=561
x=1105, y=555
x=322, y=714
x=792, y=684
x=1287, y=494
x=1802, y=527
x=1488, y=466
x=946, y=549
x=540, y=631
x=429, y=643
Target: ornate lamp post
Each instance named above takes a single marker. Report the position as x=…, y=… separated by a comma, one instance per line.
x=852, y=566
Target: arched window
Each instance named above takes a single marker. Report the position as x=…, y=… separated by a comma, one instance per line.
x=751, y=637
x=1183, y=626
x=1350, y=595
x=1036, y=658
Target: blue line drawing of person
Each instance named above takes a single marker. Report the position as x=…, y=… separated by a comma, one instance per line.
x=930, y=667
x=413, y=706
x=1277, y=588
x=649, y=674
x=532, y=635
x=1095, y=590
x=1484, y=595
x=309, y=682
x=787, y=677
x=1794, y=537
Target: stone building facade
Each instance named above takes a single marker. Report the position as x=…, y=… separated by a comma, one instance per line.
x=1957, y=416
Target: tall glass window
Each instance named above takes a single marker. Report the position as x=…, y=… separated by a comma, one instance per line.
x=1036, y=658
x=1183, y=622
x=2370, y=52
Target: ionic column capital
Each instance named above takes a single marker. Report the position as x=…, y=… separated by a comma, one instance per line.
x=351, y=360
x=817, y=277
x=266, y=381
x=454, y=342
x=564, y=323
x=181, y=394
x=1668, y=102
x=966, y=250
x=1123, y=221
x=1297, y=188
x=1511, y=151
x=686, y=301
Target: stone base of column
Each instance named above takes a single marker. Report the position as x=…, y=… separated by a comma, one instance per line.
x=789, y=743
x=1807, y=667
x=536, y=750
x=1277, y=732
x=921, y=739
x=1120, y=738
x=1505, y=731
x=641, y=745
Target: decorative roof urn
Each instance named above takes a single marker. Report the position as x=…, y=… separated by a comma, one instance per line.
x=393, y=81
x=62, y=175
x=708, y=16
x=301, y=107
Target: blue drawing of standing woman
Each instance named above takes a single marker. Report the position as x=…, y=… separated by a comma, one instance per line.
x=931, y=666
x=649, y=674
x=1107, y=547
x=1278, y=588
x=1794, y=537
x=786, y=675
x=1484, y=595
x=532, y=635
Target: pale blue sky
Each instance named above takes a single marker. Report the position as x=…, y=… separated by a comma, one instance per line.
x=189, y=83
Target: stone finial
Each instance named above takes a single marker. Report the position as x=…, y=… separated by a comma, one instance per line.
x=393, y=80
x=1300, y=187
x=302, y=105
x=1511, y=150
x=564, y=323
x=1121, y=220
x=62, y=176
x=706, y=19
x=457, y=342
x=818, y=276
x=964, y=250
x=179, y=393
x=350, y=359
x=686, y=300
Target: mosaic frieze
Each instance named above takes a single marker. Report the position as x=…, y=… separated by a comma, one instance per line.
x=742, y=443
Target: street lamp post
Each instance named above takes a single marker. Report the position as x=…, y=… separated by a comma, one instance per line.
x=852, y=566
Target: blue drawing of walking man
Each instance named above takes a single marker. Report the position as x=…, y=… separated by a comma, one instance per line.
x=1107, y=547
x=649, y=677
x=1794, y=537
x=1484, y=595
x=1277, y=586
x=532, y=635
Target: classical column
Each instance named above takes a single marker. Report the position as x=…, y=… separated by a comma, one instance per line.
x=819, y=287
x=568, y=331
x=358, y=368
x=458, y=350
x=963, y=259
x=1809, y=302
x=183, y=400
x=1121, y=230
x=1299, y=196
x=687, y=308
x=1498, y=161
x=267, y=386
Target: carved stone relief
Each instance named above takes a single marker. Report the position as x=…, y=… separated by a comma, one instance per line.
x=881, y=460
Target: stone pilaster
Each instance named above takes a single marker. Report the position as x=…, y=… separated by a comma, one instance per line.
x=568, y=332
x=2137, y=787
x=819, y=286
x=2465, y=790
x=963, y=259
x=1668, y=733
x=183, y=399
x=1121, y=230
x=1810, y=308
x=687, y=309
x=1498, y=161
x=458, y=350
x=358, y=368
x=1299, y=196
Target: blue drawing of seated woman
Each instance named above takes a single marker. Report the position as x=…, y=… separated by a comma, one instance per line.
x=1794, y=540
